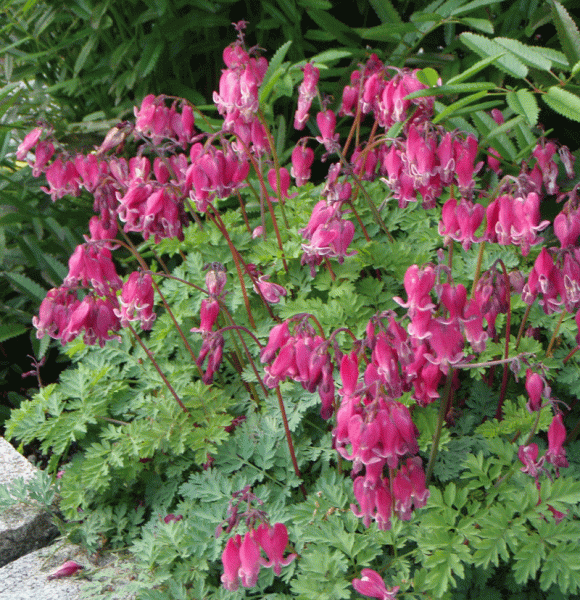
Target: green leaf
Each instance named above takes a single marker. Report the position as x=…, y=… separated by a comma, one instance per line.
x=428, y=76
x=387, y=31
x=275, y=70
x=558, y=58
x=486, y=125
x=276, y=61
x=446, y=89
x=534, y=57
x=567, y=32
x=481, y=24
x=509, y=63
x=84, y=55
x=474, y=69
x=449, y=110
x=319, y=4
x=563, y=102
x=524, y=103
x=150, y=56
x=385, y=11
x=337, y=29
x=31, y=288
x=471, y=6
x=330, y=55
x=10, y=331
x=426, y=18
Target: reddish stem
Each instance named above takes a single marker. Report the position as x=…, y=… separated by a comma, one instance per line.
x=157, y=368
x=289, y=439
x=504, y=381
x=236, y=256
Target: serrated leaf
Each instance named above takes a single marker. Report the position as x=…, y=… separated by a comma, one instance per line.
x=150, y=56
x=452, y=108
x=534, y=57
x=385, y=11
x=474, y=69
x=337, y=29
x=275, y=70
x=472, y=6
x=528, y=560
x=480, y=24
x=558, y=58
x=329, y=55
x=10, y=331
x=567, y=31
x=524, y=103
x=27, y=285
x=446, y=89
x=485, y=124
x=509, y=63
x=563, y=102
x=84, y=55
x=387, y=31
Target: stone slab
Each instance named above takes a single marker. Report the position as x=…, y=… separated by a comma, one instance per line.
x=22, y=528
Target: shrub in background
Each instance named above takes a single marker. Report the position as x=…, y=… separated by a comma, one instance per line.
x=417, y=296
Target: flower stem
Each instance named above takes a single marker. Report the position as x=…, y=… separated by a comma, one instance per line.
x=478, y=267
x=236, y=256
x=157, y=368
x=289, y=439
x=554, y=335
x=276, y=166
x=440, y=419
x=522, y=325
x=504, y=380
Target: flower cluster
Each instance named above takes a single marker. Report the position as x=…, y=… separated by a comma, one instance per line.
x=242, y=558
x=302, y=356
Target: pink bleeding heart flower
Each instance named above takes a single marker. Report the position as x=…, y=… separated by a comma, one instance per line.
x=536, y=388
x=372, y=585
x=302, y=159
x=28, y=143
x=232, y=563
x=250, y=560
x=171, y=517
x=137, y=300
x=273, y=541
x=556, y=455
x=306, y=93
x=284, y=182
x=70, y=567
x=270, y=291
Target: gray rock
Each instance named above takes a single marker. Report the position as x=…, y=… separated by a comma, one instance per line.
x=36, y=532
x=26, y=559
x=26, y=578
x=22, y=528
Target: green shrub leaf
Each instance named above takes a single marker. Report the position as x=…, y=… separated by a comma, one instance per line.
x=563, y=102
x=524, y=103
x=567, y=31
x=509, y=62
